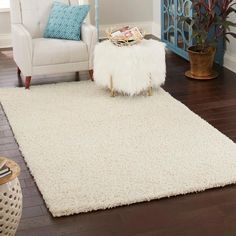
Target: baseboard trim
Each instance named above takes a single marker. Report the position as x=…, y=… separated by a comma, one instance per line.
x=146, y=26
x=5, y=40
x=3, y=10
x=230, y=62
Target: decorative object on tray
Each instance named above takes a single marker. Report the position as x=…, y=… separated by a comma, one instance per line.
x=125, y=36
x=10, y=197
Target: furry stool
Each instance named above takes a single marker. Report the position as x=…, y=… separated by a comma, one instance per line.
x=130, y=69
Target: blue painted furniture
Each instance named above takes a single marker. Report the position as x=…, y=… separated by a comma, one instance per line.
x=176, y=33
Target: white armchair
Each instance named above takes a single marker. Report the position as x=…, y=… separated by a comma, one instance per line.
x=35, y=55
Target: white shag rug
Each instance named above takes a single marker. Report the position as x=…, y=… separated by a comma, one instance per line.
x=88, y=151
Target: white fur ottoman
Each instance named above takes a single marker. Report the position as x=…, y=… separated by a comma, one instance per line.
x=130, y=70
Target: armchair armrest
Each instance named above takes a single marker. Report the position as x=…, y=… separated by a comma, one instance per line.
x=89, y=36
x=22, y=48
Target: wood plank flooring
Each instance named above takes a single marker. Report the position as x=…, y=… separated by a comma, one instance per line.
x=210, y=213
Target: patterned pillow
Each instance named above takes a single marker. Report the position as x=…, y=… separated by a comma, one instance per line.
x=65, y=21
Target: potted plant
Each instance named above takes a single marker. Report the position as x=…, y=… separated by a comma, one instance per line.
x=210, y=23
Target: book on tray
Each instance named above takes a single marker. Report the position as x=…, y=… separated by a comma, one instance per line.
x=4, y=169
x=130, y=33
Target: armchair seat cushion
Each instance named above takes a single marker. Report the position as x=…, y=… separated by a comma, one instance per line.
x=58, y=51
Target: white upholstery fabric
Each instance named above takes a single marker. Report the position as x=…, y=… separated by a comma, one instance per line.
x=34, y=15
x=29, y=18
x=89, y=36
x=60, y=68
x=22, y=48
x=61, y=51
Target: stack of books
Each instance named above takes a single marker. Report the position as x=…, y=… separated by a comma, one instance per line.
x=4, y=170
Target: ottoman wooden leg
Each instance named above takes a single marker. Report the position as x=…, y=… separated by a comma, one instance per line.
x=91, y=75
x=150, y=86
x=150, y=91
x=112, y=88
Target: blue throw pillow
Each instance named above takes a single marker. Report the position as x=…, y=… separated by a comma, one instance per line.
x=65, y=21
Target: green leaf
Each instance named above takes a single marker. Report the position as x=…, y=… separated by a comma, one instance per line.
x=232, y=34
x=231, y=10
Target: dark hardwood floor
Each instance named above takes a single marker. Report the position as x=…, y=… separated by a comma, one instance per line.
x=210, y=213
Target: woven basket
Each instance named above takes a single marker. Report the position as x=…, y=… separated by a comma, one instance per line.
x=122, y=40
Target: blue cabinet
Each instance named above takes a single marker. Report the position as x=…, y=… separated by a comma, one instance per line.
x=175, y=32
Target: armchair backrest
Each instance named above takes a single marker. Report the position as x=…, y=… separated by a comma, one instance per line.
x=33, y=14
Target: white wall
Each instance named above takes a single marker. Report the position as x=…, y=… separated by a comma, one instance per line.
x=126, y=12
x=5, y=22
x=123, y=11
x=230, y=56
x=156, y=30
x=5, y=29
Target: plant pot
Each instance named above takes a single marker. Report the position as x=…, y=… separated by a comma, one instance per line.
x=201, y=63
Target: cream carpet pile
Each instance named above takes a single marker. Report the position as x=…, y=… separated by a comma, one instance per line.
x=88, y=151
